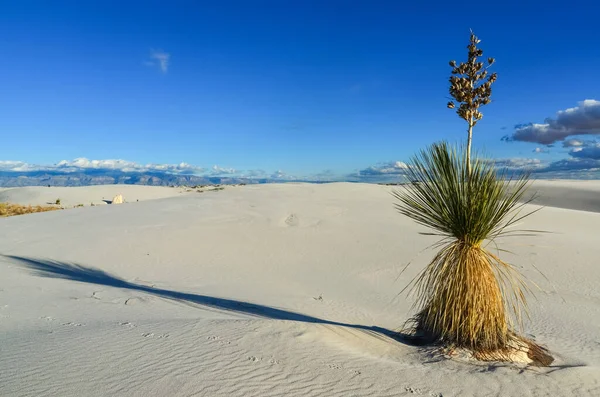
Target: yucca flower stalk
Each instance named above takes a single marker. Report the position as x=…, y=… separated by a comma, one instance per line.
x=468, y=297
x=471, y=88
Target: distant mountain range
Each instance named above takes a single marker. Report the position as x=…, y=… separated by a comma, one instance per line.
x=89, y=177
x=106, y=177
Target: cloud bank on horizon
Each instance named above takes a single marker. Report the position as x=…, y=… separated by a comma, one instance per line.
x=582, y=167
x=83, y=164
x=580, y=120
x=586, y=165
x=572, y=127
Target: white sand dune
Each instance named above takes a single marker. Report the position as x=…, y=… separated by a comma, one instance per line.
x=72, y=196
x=270, y=290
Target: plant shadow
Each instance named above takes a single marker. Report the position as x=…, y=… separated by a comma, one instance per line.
x=75, y=272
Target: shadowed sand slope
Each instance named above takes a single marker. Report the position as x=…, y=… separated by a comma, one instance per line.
x=575, y=195
x=266, y=291
x=74, y=272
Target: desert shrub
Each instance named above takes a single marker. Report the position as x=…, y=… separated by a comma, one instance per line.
x=8, y=209
x=467, y=295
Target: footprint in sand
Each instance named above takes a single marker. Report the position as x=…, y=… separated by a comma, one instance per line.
x=414, y=390
x=152, y=335
x=74, y=324
x=136, y=300
x=254, y=359
x=334, y=366
x=215, y=338
x=292, y=220
x=127, y=324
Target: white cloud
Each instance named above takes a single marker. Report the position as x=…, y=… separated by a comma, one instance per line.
x=573, y=143
x=262, y=174
x=159, y=58
x=282, y=176
x=570, y=168
x=18, y=166
x=584, y=162
x=216, y=170
x=580, y=120
x=257, y=174
x=589, y=150
x=391, y=171
x=583, y=166
x=397, y=171
x=390, y=168
x=540, y=150
x=573, y=165
x=126, y=166
x=516, y=164
x=81, y=164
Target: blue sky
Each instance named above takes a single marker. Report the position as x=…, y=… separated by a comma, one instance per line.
x=326, y=88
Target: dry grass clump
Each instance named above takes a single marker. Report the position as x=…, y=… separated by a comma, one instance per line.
x=8, y=209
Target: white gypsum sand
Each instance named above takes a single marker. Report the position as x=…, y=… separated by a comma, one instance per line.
x=270, y=290
x=86, y=195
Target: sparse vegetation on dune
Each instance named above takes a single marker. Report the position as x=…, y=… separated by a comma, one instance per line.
x=7, y=209
x=468, y=297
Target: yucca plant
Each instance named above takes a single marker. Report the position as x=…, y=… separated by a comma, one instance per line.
x=468, y=296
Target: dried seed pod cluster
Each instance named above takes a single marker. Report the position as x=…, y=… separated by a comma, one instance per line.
x=470, y=84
